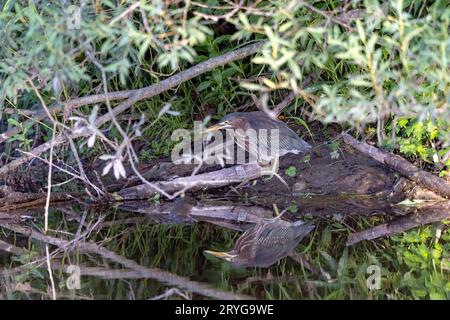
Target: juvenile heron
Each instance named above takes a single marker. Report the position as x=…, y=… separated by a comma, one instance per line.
x=266, y=243
x=279, y=139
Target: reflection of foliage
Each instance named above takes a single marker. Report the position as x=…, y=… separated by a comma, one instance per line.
x=415, y=264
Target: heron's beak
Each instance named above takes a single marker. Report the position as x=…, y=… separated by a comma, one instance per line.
x=222, y=255
x=217, y=127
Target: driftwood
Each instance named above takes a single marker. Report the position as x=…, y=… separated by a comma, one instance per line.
x=215, y=179
x=403, y=166
x=7, y=247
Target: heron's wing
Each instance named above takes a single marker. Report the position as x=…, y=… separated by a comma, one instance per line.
x=277, y=240
x=289, y=141
x=245, y=244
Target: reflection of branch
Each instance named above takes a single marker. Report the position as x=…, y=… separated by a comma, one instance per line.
x=134, y=96
x=305, y=263
x=170, y=292
x=152, y=273
x=47, y=206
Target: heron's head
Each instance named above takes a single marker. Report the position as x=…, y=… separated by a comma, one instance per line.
x=227, y=256
x=230, y=122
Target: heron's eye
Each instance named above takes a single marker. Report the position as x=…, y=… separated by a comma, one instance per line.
x=226, y=122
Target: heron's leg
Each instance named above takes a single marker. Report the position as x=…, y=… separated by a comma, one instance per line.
x=242, y=183
x=272, y=168
x=282, y=181
x=275, y=165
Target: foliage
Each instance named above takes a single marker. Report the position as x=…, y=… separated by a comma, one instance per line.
x=38, y=40
x=291, y=171
x=422, y=140
x=378, y=61
x=427, y=260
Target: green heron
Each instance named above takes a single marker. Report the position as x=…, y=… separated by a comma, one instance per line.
x=287, y=140
x=266, y=243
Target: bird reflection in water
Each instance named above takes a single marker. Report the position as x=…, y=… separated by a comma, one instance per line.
x=266, y=243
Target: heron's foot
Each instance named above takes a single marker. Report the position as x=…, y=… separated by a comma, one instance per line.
x=268, y=170
x=280, y=179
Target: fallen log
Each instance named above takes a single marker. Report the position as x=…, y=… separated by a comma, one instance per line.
x=402, y=166
x=215, y=179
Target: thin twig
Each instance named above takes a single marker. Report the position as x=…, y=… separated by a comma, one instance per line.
x=125, y=13
x=325, y=14
x=47, y=206
x=236, y=8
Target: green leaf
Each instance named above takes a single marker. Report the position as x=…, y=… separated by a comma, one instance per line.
x=437, y=296
x=329, y=260
x=342, y=266
x=291, y=171
x=14, y=122
x=204, y=85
